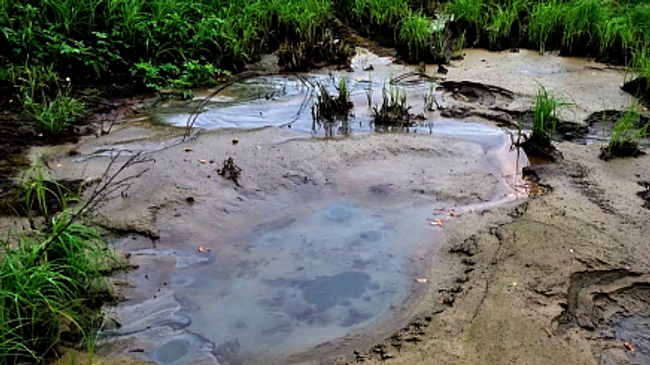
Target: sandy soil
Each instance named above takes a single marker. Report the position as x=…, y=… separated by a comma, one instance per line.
x=544, y=281
x=548, y=285
x=588, y=85
x=534, y=289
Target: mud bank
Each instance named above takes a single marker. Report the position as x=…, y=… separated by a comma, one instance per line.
x=319, y=246
x=559, y=278
x=563, y=281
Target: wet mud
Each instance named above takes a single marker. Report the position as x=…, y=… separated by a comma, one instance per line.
x=420, y=247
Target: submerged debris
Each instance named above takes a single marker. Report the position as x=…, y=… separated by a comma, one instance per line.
x=230, y=171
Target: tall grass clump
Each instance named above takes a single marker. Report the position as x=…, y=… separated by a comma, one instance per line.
x=40, y=195
x=468, y=11
x=501, y=20
x=329, y=107
x=641, y=64
x=381, y=12
x=394, y=112
x=581, y=22
x=627, y=28
x=51, y=279
x=545, y=21
x=626, y=135
x=52, y=116
x=416, y=34
x=546, y=108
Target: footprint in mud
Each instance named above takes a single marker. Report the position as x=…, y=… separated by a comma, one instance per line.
x=487, y=95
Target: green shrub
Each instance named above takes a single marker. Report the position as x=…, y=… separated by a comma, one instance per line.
x=190, y=74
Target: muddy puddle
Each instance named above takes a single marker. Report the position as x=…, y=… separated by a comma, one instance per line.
x=319, y=265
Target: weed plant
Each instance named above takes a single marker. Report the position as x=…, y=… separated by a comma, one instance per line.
x=545, y=116
x=430, y=102
x=52, y=116
x=394, y=110
x=40, y=195
x=641, y=63
x=626, y=135
x=381, y=12
x=502, y=18
x=43, y=287
x=330, y=107
x=416, y=34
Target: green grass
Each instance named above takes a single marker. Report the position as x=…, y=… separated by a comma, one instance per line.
x=546, y=109
x=626, y=134
x=381, y=12
x=94, y=36
x=502, y=18
x=394, y=111
x=641, y=63
x=52, y=116
x=42, y=288
x=329, y=107
x=469, y=11
x=416, y=34
x=38, y=194
x=181, y=44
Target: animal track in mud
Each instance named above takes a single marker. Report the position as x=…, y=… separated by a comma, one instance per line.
x=590, y=189
x=615, y=305
x=487, y=95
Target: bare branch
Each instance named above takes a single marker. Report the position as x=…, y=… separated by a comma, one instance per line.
x=191, y=120
x=110, y=182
